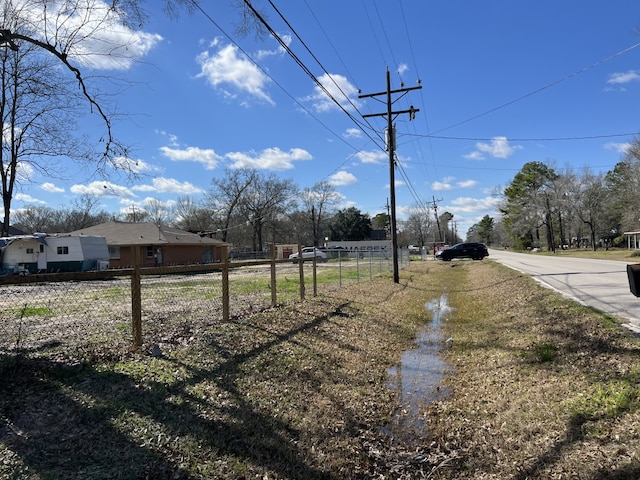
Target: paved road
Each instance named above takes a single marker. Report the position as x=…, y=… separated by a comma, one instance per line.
x=601, y=284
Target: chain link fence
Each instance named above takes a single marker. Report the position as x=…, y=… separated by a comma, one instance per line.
x=97, y=315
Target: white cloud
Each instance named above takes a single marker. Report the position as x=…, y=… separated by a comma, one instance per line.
x=208, y=157
x=352, y=133
x=230, y=67
x=24, y=171
x=173, y=139
x=22, y=197
x=102, y=189
x=51, y=188
x=278, y=51
x=474, y=156
x=467, y=183
x=498, y=148
x=130, y=165
x=342, y=178
x=169, y=185
x=268, y=159
x=621, y=148
x=338, y=88
x=92, y=33
x=439, y=186
x=472, y=205
x=621, y=78
x=397, y=183
x=376, y=156
x=403, y=67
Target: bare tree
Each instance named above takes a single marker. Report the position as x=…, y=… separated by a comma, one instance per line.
x=157, y=211
x=39, y=101
x=193, y=216
x=263, y=202
x=42, y=28
x=419, y=226
x=590, y=205
x=227, y=194
x=84, y=213
x=319, y=202
x=36, y=219
x=36, y=115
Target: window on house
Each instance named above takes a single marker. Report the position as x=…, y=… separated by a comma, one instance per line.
x=114, y=253
x=41, y=248
x=29, y=250
x=63, y=250
x=149, y=251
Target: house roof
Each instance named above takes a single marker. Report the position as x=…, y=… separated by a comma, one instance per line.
x=145, y=233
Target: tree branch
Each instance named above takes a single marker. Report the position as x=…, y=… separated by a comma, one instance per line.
x=9, y=37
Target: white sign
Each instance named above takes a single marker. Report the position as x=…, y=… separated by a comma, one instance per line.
x=365, y=248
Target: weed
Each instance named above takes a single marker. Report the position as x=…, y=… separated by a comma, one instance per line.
x=28, y=311
x=544, y=352
x=607, y=400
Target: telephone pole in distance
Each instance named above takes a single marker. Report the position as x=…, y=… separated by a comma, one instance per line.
x=391, y=147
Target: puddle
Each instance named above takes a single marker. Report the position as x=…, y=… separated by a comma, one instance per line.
x=419, y=376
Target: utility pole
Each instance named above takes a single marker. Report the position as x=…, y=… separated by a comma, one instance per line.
x=435, y=210
x=391, y=147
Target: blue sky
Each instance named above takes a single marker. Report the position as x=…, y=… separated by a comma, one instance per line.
x=503, y=83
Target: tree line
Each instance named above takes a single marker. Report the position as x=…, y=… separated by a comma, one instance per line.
x=44, y=90
x=249, y=209
x=541, y=207
x=546, y=208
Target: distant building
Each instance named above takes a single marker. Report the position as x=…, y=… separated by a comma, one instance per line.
x=156, y=245
x=24, y=254
x=378, y=234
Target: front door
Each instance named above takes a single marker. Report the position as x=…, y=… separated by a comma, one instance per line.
x=42, y=257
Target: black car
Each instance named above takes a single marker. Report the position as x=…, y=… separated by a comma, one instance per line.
x=476, y=251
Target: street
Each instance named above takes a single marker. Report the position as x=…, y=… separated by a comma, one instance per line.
x=601, y=284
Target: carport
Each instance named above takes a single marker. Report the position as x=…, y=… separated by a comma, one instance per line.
x=633, y=240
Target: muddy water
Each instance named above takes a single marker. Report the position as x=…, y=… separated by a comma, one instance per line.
x=418, y=378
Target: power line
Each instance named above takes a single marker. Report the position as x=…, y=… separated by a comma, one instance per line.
x=306, y=69
x=266, y=73
x=552, y=84
x=540, y=139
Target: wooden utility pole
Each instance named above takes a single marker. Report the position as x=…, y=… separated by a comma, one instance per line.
x=435, y=211
x=391, y=148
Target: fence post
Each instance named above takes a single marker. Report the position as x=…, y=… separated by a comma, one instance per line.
x=301, y=271
x=272, y=252
x=136, y=298
x=225, y=284
x=315, y=274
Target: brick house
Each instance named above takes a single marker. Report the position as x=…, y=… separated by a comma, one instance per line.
x=157, y=245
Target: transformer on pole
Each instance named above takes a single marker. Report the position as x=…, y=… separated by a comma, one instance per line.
x=391, y=148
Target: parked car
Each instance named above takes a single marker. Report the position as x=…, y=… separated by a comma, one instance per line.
x=475, y=251
x=309, y=252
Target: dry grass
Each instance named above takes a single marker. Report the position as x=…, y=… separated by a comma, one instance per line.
x=541, y=388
